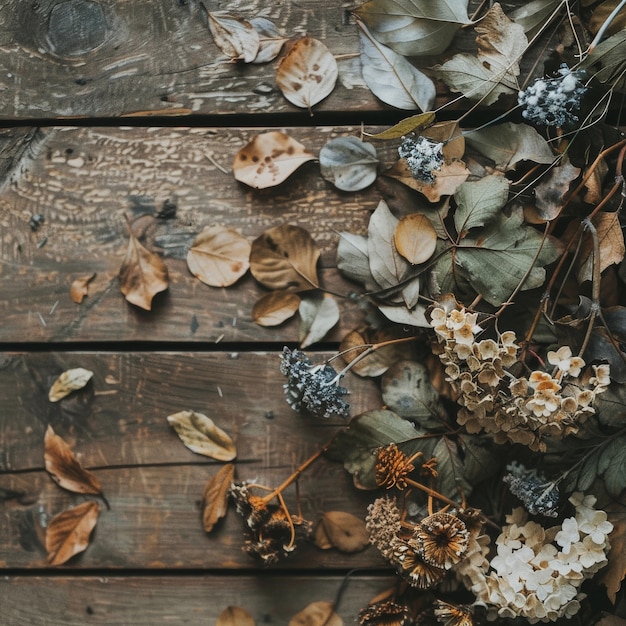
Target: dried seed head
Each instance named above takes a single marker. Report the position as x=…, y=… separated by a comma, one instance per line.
x=407, y=558
x=385, y=614
x=452, y=614
x=392, y=467
x=443, y=539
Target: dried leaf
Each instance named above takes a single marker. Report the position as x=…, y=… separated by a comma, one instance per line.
x=68, y=532
x=341, y=530
x=391, y=77
x=494, y=71
x=407, y=390
x=269, y=159
x=319, y=312
x=274, y=308
x=353, y=260
x=451, y=136
x=550, y=194
x=142, y=275
x=613, y=574
x=308, y=73
x=479, y=202
x=533, y=15
x=607, y=62
x=415, y=238
x=234, y=616
x=415, y=316
x=611, y=242
x=447, y=179
x=285, y=257
x=602, y=12
x=411, y=124
x=80, y=287
x=450, y=471
x=349, y=163
x=68, y=381
x=611, y=620
x=235, y=37
x=317, y=614
x=414, y=27
x=219, y=256
x=271, y=40
x=65, y=469
x=200, y=434
x=215, y=497
x=523, y=143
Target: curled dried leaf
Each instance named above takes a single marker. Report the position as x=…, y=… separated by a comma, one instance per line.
x=215, y=497
x=65, y=469
x=269, y=159
x=142, y=275
x=308, y=73
x=80, y=287
x=200, y=434
x=68, y=532
x=341, y=530
x=70, y=380
x=276, y=307
x=219, y=256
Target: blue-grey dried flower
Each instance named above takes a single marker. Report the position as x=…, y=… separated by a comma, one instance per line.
x=539, y=496
x=422, y=157
x=553, y=101
x=312, y=388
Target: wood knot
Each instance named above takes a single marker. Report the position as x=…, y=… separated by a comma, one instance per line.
x=76, y=27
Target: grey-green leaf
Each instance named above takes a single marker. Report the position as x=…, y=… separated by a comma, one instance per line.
x=450, y=472
x=319, y=312
x=349, y=163
x=391, y=77
x=479, y=202
x=353, y=259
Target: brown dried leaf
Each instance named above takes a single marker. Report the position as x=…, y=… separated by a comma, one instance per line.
x=80, y=287
x=317, y=614
x=447, y=179
x=142, y=275
x=68, y=532
x=611, y=242
x=285, y=257
x=550, y=194
x=215, y=497
x=65, y=469
x=341, y=530
x=613, y=574
x=200, y=434
x=235, y=37
x=601, y=13
x=274, y=308
x=308, y=73
x=415, y=238
x=68, y=381
x=269, y=159
x=451, y=136
x=234, y=616
x=219, y=256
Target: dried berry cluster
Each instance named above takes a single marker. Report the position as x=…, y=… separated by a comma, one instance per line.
x=525, y=410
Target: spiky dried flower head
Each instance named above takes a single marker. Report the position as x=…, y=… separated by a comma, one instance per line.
x=387, y=613
x=443, y=539
x=453, y=614
x=553, y=101
x=392, y=467
x=406, y=556
x=313, y=389
x=423, y=157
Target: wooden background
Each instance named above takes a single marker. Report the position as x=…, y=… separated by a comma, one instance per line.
x=112, y=108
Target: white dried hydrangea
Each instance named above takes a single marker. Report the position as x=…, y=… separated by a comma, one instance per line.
x=536, y=573
x=423, y=156
x=552, y=101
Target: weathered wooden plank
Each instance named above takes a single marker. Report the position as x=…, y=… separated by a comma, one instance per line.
x=154, y=519
x=111, y=57
x=120, y=419
x=120, y=601
x=83, y=181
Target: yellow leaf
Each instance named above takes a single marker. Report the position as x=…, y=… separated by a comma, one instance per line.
x=68, y=381
x=200, y=434
x=269, y=159
x=317, y=614
x=274, y=308
x=234, y=616
x=415, y=238
x=611, y=243
x=80, y=287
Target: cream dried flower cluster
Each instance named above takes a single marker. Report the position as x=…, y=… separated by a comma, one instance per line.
x=525, y=410
x=537, y=573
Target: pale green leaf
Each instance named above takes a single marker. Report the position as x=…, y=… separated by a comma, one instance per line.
x=411, y=124
x=479, y=202
x=319, y=312
x=415, y=27
x=391, y=77
x=450, y=471
x=349, y=163
x=507, y=144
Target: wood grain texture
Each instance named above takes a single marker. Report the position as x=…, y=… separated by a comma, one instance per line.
x=149, y=601
x=83, y=181
x=109, y=58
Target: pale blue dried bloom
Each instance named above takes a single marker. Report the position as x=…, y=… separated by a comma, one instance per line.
x=553, y=101
x=422, y=157
x=312, y=388
x=539, y=496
